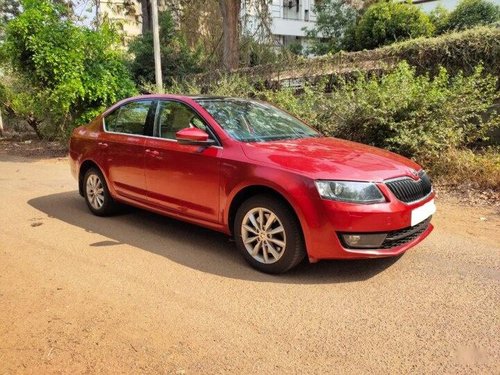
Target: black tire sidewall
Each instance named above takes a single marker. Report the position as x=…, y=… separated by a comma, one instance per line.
x=294, y=250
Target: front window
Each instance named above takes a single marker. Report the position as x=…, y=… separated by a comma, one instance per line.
x=250, y=121
x=173, y=116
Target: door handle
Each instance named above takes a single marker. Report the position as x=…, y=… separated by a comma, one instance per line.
x=102, y=144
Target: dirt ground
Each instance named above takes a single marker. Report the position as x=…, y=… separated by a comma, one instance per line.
x=140, y=293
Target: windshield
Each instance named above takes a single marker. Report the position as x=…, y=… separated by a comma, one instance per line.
x=250, y=121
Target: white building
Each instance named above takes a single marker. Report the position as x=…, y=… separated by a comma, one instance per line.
x=283, y=20
x=126, y=15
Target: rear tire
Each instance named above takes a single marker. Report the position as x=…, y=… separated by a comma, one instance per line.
x=268, y=234
x=96, y=193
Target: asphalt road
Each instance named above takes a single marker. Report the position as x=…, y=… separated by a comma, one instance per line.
x=140, y=293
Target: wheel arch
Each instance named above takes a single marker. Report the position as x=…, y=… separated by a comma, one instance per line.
x=252, y=190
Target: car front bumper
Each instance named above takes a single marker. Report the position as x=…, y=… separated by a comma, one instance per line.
x=394, y=219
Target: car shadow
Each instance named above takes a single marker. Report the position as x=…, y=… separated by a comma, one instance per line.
x=193, y=246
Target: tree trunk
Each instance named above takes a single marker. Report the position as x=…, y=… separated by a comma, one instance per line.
x=1, y=124
x=146, y=16
x=230, y=10
x=33, y=122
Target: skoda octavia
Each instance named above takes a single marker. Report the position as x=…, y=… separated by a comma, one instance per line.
x=250, y=170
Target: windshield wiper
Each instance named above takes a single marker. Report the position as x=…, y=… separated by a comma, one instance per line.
x=268, y=138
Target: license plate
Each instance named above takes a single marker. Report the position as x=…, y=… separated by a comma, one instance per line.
x=423, y=212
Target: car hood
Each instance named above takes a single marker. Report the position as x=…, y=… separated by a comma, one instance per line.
x=331, y=158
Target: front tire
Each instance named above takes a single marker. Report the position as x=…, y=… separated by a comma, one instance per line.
x=96, y=193
x=268, y=234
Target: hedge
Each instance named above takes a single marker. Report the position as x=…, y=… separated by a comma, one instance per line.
x=456, y=51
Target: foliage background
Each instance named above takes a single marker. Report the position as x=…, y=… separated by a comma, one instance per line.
x=60, y=74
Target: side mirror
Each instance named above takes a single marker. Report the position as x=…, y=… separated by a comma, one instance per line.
x=193, y=136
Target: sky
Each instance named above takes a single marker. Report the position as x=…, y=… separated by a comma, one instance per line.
x=448, y=4
x=86, y=9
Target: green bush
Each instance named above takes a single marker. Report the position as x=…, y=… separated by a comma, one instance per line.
x=471, y=13
x=387, y=22
x=416, y=116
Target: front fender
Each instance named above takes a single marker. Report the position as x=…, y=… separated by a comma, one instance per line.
x=297, y=190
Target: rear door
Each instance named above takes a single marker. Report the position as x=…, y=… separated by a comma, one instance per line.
x=126, y=128
x=183, y=179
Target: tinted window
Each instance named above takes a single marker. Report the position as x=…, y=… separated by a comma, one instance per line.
x=174, y=116
x=129, y=118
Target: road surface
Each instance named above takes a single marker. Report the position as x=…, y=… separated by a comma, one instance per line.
x=140, y=293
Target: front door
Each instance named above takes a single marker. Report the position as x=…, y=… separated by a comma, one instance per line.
x=182, y=179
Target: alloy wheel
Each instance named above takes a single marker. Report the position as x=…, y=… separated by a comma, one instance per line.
x=95, y=191
x=263, y=235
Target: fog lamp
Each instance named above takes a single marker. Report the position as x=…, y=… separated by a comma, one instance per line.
x=363, y=241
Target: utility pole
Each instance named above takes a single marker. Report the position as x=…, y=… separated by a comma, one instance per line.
x=156, y=45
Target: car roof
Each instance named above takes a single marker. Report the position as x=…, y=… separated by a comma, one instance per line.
x=184, y=97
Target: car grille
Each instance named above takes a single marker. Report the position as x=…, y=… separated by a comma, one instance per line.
x=408, y=190
x=403, y=236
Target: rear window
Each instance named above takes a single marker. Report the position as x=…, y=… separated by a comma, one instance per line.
x=129, y=118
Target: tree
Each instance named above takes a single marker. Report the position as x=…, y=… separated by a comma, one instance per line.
x=230, y=10
x=22, y=101
x=470, y=13
x=387, y=22
x=439, y=17
x=335, y=20
x=62, y=73
x=177, y=58
x=146, y=16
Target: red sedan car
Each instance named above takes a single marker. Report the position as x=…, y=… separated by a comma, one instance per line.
x=248, y=169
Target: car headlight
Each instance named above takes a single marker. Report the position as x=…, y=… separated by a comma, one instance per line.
x=350, y=191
